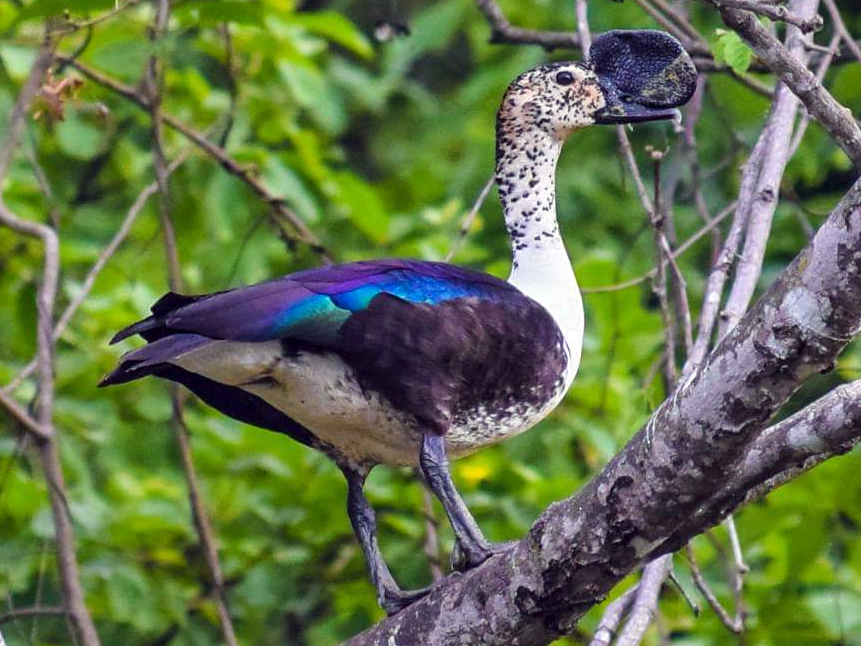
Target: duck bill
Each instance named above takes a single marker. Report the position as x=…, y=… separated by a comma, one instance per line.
x=630, y=112
x=644, y=76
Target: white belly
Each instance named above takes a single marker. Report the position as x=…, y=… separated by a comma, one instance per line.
x=319, y=391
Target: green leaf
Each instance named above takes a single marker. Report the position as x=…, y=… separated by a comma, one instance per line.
x=362, y=204
x=17, y=59
x=78, y=138
x=314, y=92
x=45, y=8
x=337, y=28
x=239, y=12
x=730, y=49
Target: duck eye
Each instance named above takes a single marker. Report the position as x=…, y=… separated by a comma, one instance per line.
x=564, y=78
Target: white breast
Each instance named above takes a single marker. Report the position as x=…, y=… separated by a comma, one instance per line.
x=321, y=392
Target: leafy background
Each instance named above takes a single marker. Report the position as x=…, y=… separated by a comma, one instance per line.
x=380, y=147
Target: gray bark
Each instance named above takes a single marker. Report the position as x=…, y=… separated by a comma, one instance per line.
x=700, y=464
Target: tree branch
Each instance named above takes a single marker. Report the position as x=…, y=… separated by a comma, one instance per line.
x=154, y=84
x=760, y=202
x=503, y=31
x=73, y=593
x=35, y=611
x=822, y=106
x=281, y=212
x=777, y=12
x=632, y=512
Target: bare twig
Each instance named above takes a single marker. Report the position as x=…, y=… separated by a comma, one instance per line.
x=281, y=213
x=154, y=81
x=761, y=203
x=678, y=16
x=16, y=123
x=835, y=118
x=804, y=22
x=612, y=618
x=821, y=70
x=35, y=611
x=659, y=284
x=201, y=521
x=73, y=594
x=646, y=602
x=669, y=24
x=95, y=270
x=431, y=544
x=581, y=13
x=841, y=30
x=18, y=412
x=677, y=252
x=503, y=31
x=466, y=225
x=720, y=271
x=763, y=199
x=733, y=624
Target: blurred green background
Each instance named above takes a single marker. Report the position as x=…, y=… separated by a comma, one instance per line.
x=380, y=147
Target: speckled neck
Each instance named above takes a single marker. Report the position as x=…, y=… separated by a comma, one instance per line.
x=526, y=176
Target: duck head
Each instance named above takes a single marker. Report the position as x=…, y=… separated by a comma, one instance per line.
x=631, y=76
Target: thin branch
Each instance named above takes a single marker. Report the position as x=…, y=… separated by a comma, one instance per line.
x=612, y=618
x=680, y=19
x=764, y=197
x=646, y=602
x=153, y=84
x=431, y=543
x=35, y=611
x=96, y=269
x=841, y=30
x=678, y=252
x=502, y=31
x=777, y=12
x=835, y=118
x=466, y=225
x=202, y=523
x=822, y=68
x=16, y=123
x=720, y=270
x=581, y=12
x=73, y=594
x=671, y=25
x=18, y=412
x=734, y=624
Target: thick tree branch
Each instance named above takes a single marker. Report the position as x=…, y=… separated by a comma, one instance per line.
x=828, y=427
x=632, y=511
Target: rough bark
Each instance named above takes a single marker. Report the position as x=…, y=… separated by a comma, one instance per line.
x=678, y=476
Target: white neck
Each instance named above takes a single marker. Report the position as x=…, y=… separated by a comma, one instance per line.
x=541, y=269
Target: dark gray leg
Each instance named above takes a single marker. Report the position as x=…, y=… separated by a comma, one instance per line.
x=471, y=548
x=364, y=522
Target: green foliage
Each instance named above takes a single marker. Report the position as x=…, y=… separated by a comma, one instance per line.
x=381, y=148
x=728, y=48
